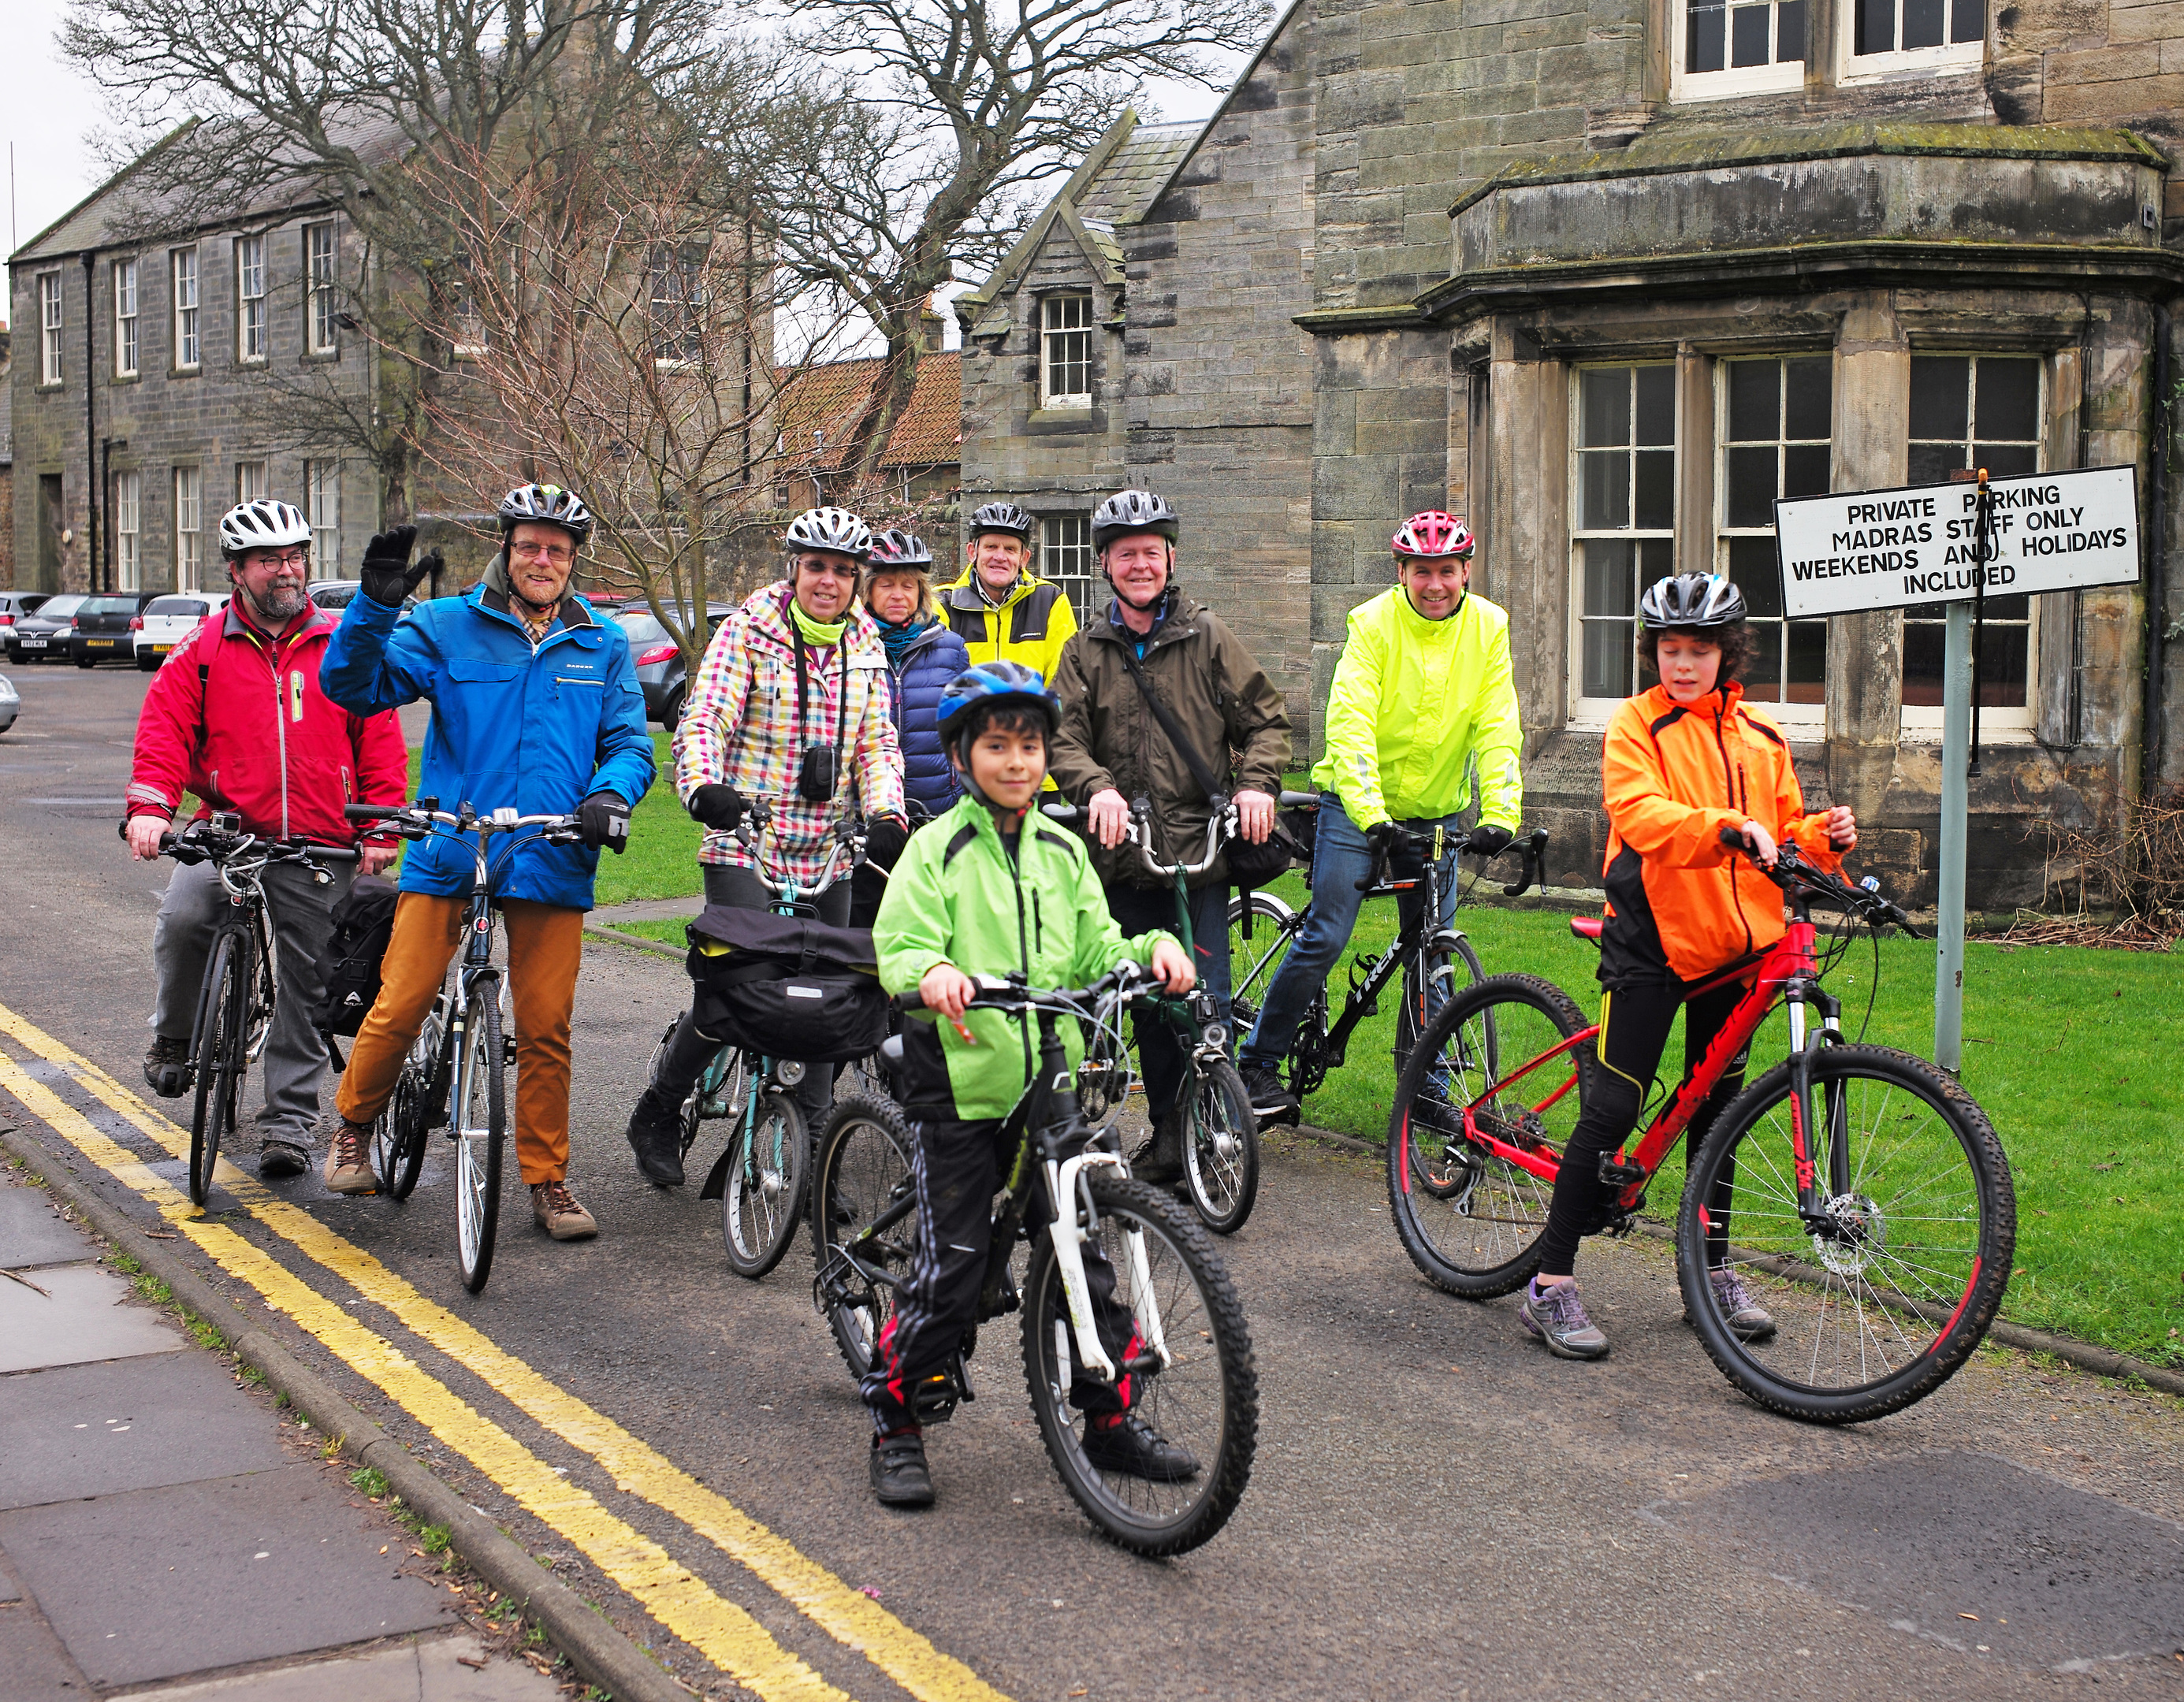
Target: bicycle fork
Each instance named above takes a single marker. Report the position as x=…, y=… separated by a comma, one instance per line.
x=1834, y=1123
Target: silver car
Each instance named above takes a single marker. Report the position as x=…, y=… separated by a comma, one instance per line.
x=170, y=620
x=10, y=702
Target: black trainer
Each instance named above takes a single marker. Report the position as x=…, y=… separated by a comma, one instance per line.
x=1269, y=1099
x=1159, y=1162
x=655, y=1136
x=899, y=1477
x=167, y=1067
x=283, y=1158
x=1134, y=1449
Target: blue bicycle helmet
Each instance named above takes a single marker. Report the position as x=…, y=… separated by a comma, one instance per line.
x=993, y=683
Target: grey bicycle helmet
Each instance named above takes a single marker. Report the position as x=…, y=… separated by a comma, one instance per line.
x=549, y=504
x=836, y=530
x=897, y=548
x=1001, y=517
x=261, y=524
x=1691, y=603
x=1133, y=511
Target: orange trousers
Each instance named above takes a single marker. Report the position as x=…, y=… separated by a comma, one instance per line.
x=545, y=946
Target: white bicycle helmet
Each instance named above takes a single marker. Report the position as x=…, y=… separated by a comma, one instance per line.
x=1133, y=511
x=262, y=525
x=1691, y=602
x=551, y=504
x=836, y=530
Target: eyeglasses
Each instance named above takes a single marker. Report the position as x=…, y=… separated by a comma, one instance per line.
x=266, y=558
x=826, y=565
x=558, y=553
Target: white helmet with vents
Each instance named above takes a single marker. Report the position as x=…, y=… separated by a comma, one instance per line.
x=262, y=525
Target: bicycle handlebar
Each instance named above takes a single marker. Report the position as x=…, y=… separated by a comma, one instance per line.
x=850, y=834
x=994, y=994
x=417, y=821
x=217, y=845
x=1221, y=827
x=1795, y=876
x=1532, y=846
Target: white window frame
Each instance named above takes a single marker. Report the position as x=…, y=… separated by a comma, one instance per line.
x=1586, y=713
x=251, y=482
x=251, y=343
x=1806, y=719
x=1066, y=559
x=321, y=273
x=125, y=348
x=322, y=508
x=1686, y=85
x=1957, y=57
x=1922, y=722
x=51, y=314
x=1064, y=320
x=128, y=531
x=189, y=518
x=182, y=271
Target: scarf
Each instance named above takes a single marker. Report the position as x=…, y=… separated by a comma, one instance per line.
x=897, y=638
x=820, y=635
x=1160, y=620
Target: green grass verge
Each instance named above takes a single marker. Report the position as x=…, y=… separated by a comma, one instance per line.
x=668, y=932
x=2065, y=1048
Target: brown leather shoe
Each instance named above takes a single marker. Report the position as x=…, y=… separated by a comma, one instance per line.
x=555, y=1210
x=349, y=1159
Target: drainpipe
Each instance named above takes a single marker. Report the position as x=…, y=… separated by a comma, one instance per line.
x=2149, y=744
x=98, y=492
x=106, y=484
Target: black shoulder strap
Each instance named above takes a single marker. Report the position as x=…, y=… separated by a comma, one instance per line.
x=966, y=835
x=1191, y=759
x=1668, y=721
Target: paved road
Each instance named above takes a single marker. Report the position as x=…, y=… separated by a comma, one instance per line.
x=1438, y=1508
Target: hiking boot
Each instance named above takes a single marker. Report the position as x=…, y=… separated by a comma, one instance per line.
x=1160, y=1161
x=1557, y=1317
x=167, y=1067
x=349, y=1159
x=1134, y=1449
x=899, y=1477
x=655, y=1136
x=1270, y=1100
x=555, y=1210
x=278, y=1159
x=1741, y=1315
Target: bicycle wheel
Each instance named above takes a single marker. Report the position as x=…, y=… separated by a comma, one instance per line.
x=765, y=1184
x=864, y=1222
x=217, y=1057
x=1470, y=1217
x=1877, y=1303
x=1204, y=1398
x=1454, y=971
x=1220, y=1147
x=1253, y=960
x=480, y=1131
x=398, y=1136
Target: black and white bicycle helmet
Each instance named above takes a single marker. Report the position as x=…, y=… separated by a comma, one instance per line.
x=1001, y=517
x=549, y=504
x=836, y=530
x=1691, y=603
x=262, y=525
x=1133, y=511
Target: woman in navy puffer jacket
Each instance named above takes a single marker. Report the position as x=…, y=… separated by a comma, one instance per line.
x=923, y=656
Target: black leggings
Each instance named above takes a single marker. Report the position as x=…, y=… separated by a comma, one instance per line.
x=1634, y=1029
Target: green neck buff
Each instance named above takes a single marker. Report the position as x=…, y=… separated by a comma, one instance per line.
x=818, y=634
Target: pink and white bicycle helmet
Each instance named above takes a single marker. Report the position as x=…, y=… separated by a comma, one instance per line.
x=1433, y=533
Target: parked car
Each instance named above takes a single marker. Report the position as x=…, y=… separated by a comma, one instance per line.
x=16, y=604
x=168, y=621
x=335, y=593
x=42, y=637
x=105, y=628
x=658, y=658
x=10, y=701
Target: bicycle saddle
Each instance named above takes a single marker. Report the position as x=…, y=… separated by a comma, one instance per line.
x=1587, y=927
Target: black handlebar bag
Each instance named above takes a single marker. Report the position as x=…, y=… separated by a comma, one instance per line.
x=786, y=986
x=360, y=926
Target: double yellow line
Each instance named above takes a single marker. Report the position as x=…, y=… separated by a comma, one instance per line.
x=683, y=1603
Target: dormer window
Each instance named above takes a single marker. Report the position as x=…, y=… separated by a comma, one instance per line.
x=1066, y=351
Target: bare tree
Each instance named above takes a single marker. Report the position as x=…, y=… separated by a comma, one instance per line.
x=952, y=112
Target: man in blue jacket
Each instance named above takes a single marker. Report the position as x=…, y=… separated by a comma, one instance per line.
x=535, y=706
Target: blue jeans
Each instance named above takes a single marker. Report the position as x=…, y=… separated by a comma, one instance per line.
x=1339, y=861
x=1137, y=911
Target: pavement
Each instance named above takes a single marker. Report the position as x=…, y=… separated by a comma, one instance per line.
x=1438, y=1508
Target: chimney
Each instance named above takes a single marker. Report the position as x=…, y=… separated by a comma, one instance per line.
x=929, y=327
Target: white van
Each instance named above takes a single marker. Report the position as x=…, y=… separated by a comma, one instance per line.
x=168, y=621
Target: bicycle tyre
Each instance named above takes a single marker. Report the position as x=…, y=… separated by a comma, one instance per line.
x=1914, y=1309
x=864, y=1169
x=1209, y=1405
x=763, y=1192
x=1408, y=1021
x=1470, y=1219
x=480, y=1131
x=1220, y=1147
x=217, y=1059
x=398, y=1136
x=1254, y=962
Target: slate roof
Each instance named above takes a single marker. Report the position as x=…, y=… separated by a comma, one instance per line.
x=1134, y=173
x=830, y=398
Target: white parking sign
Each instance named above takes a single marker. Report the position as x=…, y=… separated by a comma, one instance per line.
x=1894, y=550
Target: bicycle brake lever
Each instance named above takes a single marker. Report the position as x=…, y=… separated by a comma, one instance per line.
x=1534, y=855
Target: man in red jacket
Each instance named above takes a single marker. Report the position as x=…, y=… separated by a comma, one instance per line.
x=235, y=718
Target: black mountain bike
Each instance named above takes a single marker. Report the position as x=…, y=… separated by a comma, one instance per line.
x=463, y=1044
x=1261, y=926
x=1183, y=1342
x=242, y=979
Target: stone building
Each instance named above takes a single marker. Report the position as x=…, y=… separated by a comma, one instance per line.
x=1610, y=277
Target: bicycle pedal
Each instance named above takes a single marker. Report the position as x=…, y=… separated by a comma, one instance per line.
x=933, y=1401
x=1614, y=1175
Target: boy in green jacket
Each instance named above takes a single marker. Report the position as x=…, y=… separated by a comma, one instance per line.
x=991, y=889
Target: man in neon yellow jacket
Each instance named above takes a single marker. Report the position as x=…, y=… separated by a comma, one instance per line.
x=1423, y=699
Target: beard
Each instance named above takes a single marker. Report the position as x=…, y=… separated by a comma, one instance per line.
x=280, y=605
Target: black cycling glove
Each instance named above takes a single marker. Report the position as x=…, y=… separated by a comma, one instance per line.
x=1381, y=839
x=1489, y=841
x=387, y=576
x=884, y=839
x=717, y=806
x=602, y=822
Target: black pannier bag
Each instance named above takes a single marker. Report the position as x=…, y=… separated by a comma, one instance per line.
x=362, y=923
x=786, y=986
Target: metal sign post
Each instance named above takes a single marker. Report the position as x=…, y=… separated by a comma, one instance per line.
x=1948, y=544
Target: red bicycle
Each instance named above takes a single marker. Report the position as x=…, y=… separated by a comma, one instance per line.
x=1870, y=1199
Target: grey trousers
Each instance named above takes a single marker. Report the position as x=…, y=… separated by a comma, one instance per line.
x=298, y=910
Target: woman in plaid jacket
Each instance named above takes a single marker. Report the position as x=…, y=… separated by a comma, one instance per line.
x=791, y=706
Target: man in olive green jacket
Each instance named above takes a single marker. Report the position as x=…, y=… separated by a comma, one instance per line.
x=1112, y=750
